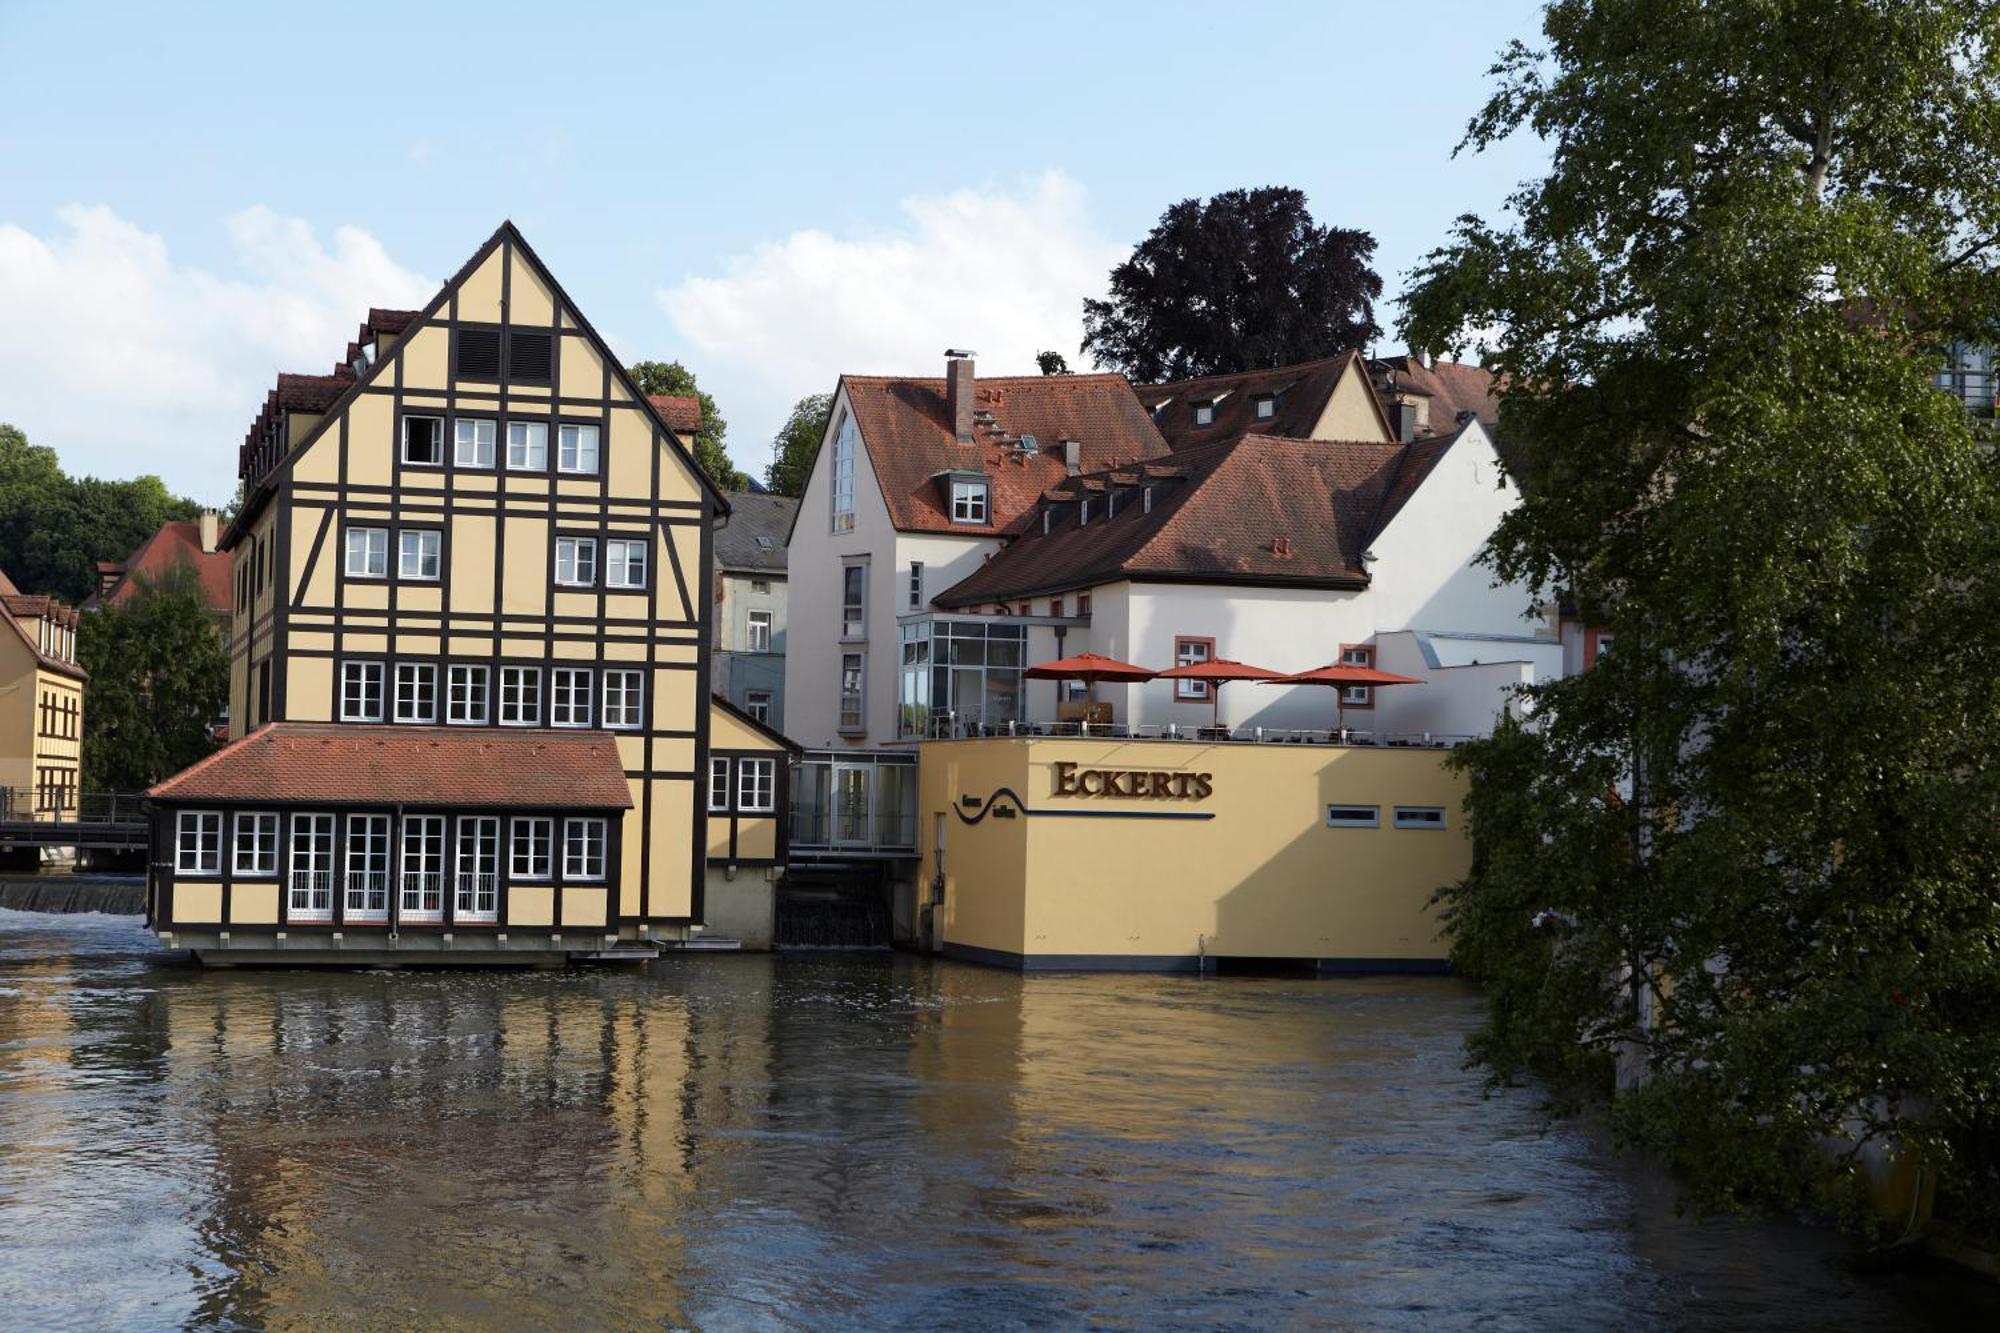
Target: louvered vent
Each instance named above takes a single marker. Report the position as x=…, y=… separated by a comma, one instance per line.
x=478, y=355
x=530, y=357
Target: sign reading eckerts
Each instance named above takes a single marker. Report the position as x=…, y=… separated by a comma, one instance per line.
x=1131, y=783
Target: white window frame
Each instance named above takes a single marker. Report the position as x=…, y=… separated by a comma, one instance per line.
x=1204, y=414
x=625, y=562
x=459, y=678
x=580, y=554
x=841, y=480
x=1266, y=406
x=575, y=443
x=527, y=446
x=523, y=684
x=314, y=853
x=361, y=669
x=417, y=673
x=719, y=767
x=438, y=459
x=198, y=842
x=757, y=703
x=579, y=854
x=916, y=585
x=628, y=711
x=531, y=850
x=753, y=621
x=969, y=501
x=756, y=786
x=368, y=836
x=855, y=664
x=473, y=447
x=568, y=685
x=476, y=839
x=373, y=550
x=1427, y=818
x=1186, y=691
x=419, y=861
x=1357, y=696
x=1353, y=816
x=255, y=845
x=854, y=614
x=417, y=559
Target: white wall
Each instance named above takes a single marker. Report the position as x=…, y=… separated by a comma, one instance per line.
x=1467, y=681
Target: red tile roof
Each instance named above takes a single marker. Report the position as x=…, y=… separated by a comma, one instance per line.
x=681, y=412
x=1452, y=387
x=1255, y=509
x=1301, y=393
x=15, y=603
x=178, y=542
x=910, y=439
x=330, y=764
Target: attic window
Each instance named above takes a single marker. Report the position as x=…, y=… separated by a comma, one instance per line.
x=1267, y=406
x=1204, y=414
x=764, y=543
x=477, y=354
x=968, y=500
x=530, y=357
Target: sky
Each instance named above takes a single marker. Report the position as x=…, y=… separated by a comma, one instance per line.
x=196, y=197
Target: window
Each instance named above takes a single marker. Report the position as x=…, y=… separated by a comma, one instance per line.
x=1083, y=603
x=576, y=561
x=1204, y=414
x=854, y=602
x=476, y=890
x=916, y=585
x=761, y=585
x=1357, y=696
x=968, y=501
x=1188, y=652
x=1267, y=407
x=367, y=889
x=718, y=784
x=1056, y=608
x=417, y=553
x=960, y=673
x=756, y=786
x=624, y=699
x=478, y=354
x=416, y=691
x=576, y=449
x=520, y=696
x=309, y=892
x=583, y=849
x=367, y=553
x=475, y=442
x=198, y=842
x=1354, y=816
x=465, y=693
x=851, y=692
x=422, y=889
x=423, y=441
x=257, y=845
x=569, y=697
x=530, y=357
x=360, y=691
x=1420, y=816
x=533, y=849
x=625, y=564
x=528, y=446
x=757, y=703
x=844, y=439
x=760, y=631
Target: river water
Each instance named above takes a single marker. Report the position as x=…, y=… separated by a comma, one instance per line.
x=757, y=1142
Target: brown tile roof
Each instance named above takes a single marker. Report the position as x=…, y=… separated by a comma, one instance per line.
x=14, y=603
x=1452, y=386
x=332, y=764
x=390, y=321
x=177, y=542
x=1301, y=393
x=910, y=439
x=1256, y=509
x=681, y=412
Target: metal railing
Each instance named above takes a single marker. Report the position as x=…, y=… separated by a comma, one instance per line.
x=880, y=831
x=423, y=895
x=952, y=729
x=368, y=895
x=478, y=897
x=311, y=895
x=58, y=805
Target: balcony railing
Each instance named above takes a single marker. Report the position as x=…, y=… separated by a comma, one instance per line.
x=311, y=895
x=423, y=895
x=367, y=895
x=478, y=897
x=947, y=727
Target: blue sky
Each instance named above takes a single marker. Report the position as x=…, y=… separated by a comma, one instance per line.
x=193, y=197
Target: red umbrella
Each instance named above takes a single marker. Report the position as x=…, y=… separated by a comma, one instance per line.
x=1088, y=668
x=1215, y=671
x=1342, y=674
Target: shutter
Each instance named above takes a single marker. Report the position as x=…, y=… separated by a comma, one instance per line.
x=479, y=354
x=530, y=357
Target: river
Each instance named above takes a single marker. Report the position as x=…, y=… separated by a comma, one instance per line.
x=757, y=1142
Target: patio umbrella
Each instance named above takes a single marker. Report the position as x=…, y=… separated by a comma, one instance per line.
x=1215, y=671
x=1089, y=668
x=1340, y=675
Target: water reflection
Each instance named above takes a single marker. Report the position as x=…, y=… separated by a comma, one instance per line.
x=747, y=1141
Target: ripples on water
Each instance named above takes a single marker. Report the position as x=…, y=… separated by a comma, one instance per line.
x=758, y=1142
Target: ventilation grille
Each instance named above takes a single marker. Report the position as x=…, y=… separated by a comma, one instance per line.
x=478, y=355
x=530, y=357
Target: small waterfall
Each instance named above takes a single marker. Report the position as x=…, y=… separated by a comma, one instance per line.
x=64, y=894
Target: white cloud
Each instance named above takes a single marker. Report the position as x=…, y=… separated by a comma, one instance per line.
x=125, y=361
x=1003, y=272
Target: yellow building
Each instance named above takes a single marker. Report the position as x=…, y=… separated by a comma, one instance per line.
x=1182, y=855
x=749, y=796
x=469, y=655
x=41, y=706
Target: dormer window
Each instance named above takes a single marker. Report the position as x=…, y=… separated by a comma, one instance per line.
x=1204, y=414
x=1266, y=406
x=968, y=499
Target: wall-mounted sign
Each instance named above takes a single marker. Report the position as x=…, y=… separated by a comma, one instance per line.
x=1143, y=784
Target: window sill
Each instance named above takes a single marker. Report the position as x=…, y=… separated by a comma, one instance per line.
x=586, y=587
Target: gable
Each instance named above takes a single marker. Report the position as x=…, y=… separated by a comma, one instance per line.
x=1352, y=411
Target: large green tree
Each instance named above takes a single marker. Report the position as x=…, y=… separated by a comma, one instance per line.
x=1751, y=861
x=797, y=440
x=1244, y=281
x=159, y=679
x=54, y=528
x=671, y=377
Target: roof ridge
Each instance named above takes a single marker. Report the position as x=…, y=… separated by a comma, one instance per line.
x=1290, y=366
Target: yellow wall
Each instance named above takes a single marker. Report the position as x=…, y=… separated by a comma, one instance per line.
x=1263, y=878
x=1350, y=412
x=26, y=754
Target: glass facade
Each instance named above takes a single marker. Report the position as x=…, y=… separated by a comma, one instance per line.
x=960, y=677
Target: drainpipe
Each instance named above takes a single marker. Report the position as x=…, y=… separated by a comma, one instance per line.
x=396, y=873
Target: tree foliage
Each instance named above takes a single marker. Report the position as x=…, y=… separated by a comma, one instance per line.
x=1766, y=820
x=1243, y=282
x=159, y=679
x=671, y=377
x=797, y=440
x=54, y=528
x=1052, y=363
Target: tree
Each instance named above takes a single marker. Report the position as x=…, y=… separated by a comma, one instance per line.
x=1243, y=282
x=159, y=679
x=1748, y=861
x=1052, y=363
x=797, y=440
x=671, y=377
x=54, y=528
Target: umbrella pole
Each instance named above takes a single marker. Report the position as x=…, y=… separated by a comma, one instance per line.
x=1215, y=705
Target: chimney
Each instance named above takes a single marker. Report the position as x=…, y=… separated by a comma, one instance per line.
x=1406, y=421
x=958, y=392
x=1422, y=357
x=1073, y=456
x=208, y=525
